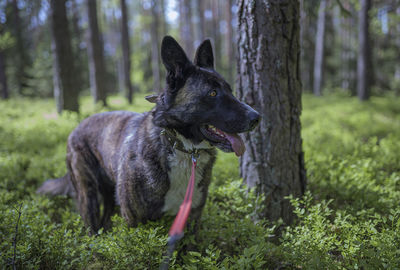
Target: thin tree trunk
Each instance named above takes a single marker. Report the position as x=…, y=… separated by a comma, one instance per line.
x=305, y=44
x=349, y=48
x=155, y=56
x=185, y=27
x=21, y=55
x=319, y=49
x=397, y=71
x=76, y=38
x=3, y=76
x=64, y=74
x=343, y=52
x=229, y=42
x=126, y=53
x=269, y=81
x=199, y=26
x=363, y=63
x=216, y=33
x=164, y=25
x=97, y=71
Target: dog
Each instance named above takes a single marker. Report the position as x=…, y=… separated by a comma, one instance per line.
x=142, y=162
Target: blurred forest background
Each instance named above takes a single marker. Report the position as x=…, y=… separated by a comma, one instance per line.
x=77, y=47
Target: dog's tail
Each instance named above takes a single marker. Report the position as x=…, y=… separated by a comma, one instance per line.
x=59, y=186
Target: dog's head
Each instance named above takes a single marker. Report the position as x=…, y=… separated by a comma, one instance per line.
x=198, y=103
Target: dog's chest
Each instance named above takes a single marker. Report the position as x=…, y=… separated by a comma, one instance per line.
x=180, y=165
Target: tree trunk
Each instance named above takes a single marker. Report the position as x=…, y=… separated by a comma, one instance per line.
x=269, y=81
x=155, y=54
x=364, y=52
x=126, y=53
x=397, y=70
x=21, y=55
x=199, y=4
x=97, y=71
x=185, y=27
x=229, y=42
x=307, y=46
x=64, y=74
x=3, y=76
x=216, y=34
x=76, y=37
x=319, y=49
x=163, y=22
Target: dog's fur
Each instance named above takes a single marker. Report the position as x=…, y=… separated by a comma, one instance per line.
x=123, y=158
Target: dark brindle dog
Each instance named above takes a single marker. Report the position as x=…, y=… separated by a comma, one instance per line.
x=142, y=161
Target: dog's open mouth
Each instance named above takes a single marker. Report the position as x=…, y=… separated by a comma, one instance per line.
x=227, y=142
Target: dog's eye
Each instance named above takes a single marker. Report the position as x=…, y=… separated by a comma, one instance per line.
x=212, y=93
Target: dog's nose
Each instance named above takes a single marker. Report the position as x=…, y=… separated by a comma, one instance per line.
x=254, y=119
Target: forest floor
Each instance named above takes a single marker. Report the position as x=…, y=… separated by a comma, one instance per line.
x=348, y=219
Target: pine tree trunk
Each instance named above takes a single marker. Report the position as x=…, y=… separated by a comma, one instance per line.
x=81, y=68
x=397, y=70
x=3, y=76
x=306, y=46
x=200, y=35
x=155, y=55
x=21, y=54
x=64, y=73
x=97, y=71
x=126, y=53
x=163, y=22
x=364, y=52
x=229, y=42
x=216, y=34
x=185, y=27
x=269, y=81
x=319, y=49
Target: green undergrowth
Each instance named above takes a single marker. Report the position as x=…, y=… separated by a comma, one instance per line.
x=348, y=219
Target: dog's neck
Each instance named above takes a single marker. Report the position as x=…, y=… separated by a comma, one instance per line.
x=179, y=142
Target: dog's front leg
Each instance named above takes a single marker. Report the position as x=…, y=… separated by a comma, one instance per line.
x=128, y=204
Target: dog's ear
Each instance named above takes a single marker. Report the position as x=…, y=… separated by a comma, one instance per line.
x=173, y=56
x=204, y=55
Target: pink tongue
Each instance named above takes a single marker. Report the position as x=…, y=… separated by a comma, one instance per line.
x=236, y=142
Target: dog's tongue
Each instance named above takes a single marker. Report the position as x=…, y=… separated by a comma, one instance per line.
x=236, y=142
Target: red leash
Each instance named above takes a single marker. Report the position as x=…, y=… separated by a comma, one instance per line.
x=176, y=231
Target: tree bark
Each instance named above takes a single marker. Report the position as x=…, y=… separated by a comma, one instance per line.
x=155, y=54
x=269, y=81
x=3, y=76
x=64, y=72
x=126, y=53
x=364, y=52
x=319, y=49
x=97, y=71
x=185, y=27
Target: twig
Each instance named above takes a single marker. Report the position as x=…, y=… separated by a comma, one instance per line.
x=16, y=236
